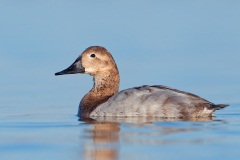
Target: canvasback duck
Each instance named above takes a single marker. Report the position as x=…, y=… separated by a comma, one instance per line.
x=157, y=100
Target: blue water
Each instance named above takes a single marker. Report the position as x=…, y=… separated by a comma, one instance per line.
x=189, y=45
x=57, y=134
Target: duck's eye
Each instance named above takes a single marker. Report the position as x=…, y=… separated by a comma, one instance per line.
x=92, y=55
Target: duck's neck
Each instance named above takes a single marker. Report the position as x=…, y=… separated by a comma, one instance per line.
x=105, y=85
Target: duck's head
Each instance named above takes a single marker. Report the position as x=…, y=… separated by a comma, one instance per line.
x=94, y=60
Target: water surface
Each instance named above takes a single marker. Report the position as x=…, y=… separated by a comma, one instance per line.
x=189, y=45
x=56, y=133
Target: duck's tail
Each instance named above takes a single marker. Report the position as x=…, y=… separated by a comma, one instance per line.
x=218, y=106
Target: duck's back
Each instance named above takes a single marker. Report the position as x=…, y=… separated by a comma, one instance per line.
x=158, y=101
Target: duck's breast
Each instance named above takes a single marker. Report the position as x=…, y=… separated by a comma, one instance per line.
x=158, y=101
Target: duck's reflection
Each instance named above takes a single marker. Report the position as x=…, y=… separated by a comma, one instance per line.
x=104, y=140
x=105, y=134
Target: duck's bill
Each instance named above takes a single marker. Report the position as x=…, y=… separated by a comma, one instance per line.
x=75, y=68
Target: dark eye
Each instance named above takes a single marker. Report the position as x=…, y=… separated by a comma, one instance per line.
x=92, y=55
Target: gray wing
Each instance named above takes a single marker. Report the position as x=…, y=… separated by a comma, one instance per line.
x=160, y=101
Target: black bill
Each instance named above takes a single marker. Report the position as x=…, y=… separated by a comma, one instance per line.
x=76, y=67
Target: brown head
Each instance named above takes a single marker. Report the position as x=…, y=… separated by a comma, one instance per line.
x=95, y=60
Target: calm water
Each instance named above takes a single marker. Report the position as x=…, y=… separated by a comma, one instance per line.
x=56, y=133
x=189, y=45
